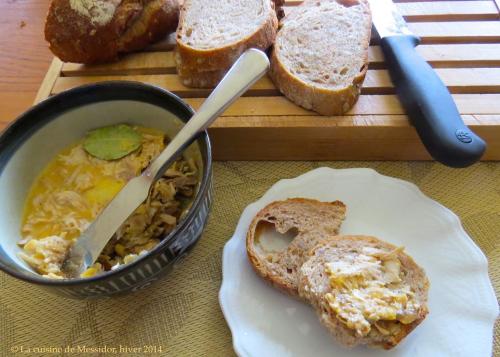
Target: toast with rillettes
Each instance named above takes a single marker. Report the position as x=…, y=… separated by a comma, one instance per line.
x=281, y=234
x=320, y=57
x=364, y=290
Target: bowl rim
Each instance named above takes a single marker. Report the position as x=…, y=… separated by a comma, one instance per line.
x=25, y=125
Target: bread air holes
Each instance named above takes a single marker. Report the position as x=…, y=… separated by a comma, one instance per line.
x=267, y=239
x=189, y=32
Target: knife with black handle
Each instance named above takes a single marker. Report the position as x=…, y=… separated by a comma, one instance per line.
x=425, y=98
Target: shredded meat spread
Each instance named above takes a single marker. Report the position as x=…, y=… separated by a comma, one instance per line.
x=75, y=187
x=367, y=290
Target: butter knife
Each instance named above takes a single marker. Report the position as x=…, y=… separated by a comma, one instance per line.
x=252, y=65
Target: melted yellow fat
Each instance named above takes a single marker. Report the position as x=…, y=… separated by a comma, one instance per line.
x=53, y=180
x=103, y=192
x=367, y=288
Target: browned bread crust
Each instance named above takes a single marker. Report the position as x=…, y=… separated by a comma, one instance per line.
x=76, y=34
x=312, y=220
x=314, y=285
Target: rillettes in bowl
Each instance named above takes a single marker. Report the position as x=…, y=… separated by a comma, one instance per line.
x=38, y=135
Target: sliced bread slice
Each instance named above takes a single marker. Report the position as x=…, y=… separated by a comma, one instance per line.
x=282, y=233
x=364, y=290
x=320, y=57
x=212, y=34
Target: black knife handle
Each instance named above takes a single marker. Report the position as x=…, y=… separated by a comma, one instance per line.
x=429, y=105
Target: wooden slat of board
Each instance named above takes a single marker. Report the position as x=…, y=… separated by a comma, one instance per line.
x=366, y=105
x=458, y=80
x=404, y=1
x=448, y=11
x=50, y=78
x=307, y=121
x=453, y=55
x=135, y=63
x=171, y=82
x=456, y=55
x=330, y=143
x=367, y=137
x=457, y=31
x=438, y=10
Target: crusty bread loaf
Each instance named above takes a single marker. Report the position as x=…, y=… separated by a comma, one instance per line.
x=320, y=56
x=94, y=31
x=302, y=221
x=212, y=35
x=315, y=285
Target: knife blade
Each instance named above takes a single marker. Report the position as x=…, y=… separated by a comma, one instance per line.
x=425, y=98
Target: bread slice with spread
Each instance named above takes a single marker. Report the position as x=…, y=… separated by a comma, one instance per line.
x=364, y=290
x=320, y=57
x=282, y=233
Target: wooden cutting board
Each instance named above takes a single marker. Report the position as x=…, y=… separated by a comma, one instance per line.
x=460, y=39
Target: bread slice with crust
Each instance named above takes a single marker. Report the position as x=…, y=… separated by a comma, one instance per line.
x=339, y=274
x=320, y=57
x=282, y=233
x=213, y=34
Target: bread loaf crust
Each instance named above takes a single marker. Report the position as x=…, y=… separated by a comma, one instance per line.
x=324, y=100
x=132, y=25
x=160, y=18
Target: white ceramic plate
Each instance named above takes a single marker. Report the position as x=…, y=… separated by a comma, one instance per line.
x=463, y=307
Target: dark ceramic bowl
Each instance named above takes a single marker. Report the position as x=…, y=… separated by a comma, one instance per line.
x=39, y=134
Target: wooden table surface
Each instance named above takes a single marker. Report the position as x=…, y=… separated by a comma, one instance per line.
x=24, y=57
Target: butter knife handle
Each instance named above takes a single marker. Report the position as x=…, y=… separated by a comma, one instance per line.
x=429, y=104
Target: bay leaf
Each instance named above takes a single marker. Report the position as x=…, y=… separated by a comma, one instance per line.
x=112, y=142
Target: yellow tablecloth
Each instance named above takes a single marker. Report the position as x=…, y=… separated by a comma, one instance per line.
x=180, y=315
